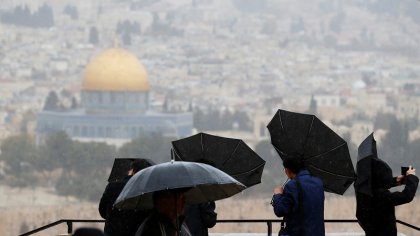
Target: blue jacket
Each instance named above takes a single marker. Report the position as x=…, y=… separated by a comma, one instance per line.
x=286, y=205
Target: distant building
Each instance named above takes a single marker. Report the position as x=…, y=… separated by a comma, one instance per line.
x=327, y=100
x=114, y=105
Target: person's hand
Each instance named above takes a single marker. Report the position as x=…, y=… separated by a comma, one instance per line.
x=278, y=190
x=399, y=179
x=411, y=171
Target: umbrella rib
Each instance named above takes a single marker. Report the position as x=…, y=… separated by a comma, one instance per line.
x=309, y=131
x=176, y=153
x=281, y=122
x=249, y=171
x=202, y=145
x=329, y=172
x=231, y=155
x=332, y=149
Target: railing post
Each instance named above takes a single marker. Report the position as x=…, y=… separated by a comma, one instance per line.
x=270, y=227
x=69, y=227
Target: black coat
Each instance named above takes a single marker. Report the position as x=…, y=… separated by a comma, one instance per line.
x=376, y=214
x=119, y=222
x=200, y=217
x=159, y=225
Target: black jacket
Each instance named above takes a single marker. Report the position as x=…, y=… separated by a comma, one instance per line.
x=119, y=222
x=158, y=225
x=200, y=217
x=376, y=214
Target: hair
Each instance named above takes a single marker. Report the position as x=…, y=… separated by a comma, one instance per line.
x=140, y=164
x=294, y=164
x=381, y=174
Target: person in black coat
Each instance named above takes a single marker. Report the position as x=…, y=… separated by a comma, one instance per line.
x=381, y=220
x=120, y=222
x=200, y=217
x=167, y=217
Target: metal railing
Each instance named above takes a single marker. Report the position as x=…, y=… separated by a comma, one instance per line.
x=269, y=223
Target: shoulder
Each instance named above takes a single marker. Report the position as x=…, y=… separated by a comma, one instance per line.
x=306, y=175
x=412, y=178
x=117, y=185
x=291, y=186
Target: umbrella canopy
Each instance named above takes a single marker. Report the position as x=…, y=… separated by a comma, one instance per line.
x=365, y=154
x=121, y=167
x=232, y=156
x=203, y=183
x=325, y=154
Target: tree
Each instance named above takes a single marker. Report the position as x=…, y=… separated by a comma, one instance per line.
x=165, y=105
x=28, y=116
x=384, y=120
x=352, y=147
x=412, y=154
x=52, y=102
x=93, y=36
x=297, y=25
x=23, y=228
x=273, y=169
x=126, y=38
x=242, y=118
x=19, y=155
x=152, y=145
x=395, y=144
x=313, y=106
x=44, y=16
x=73, y=103
x=198, y=118
x=250, y=6
x=71, y=11
x=336, y=23
x=58, y=150
x=88, y=161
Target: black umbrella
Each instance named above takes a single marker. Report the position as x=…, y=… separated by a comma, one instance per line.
x=121, y=167
x=232, y=156
x=325, y=154
x=369, y=168
x=365, y=153
x=203, y=182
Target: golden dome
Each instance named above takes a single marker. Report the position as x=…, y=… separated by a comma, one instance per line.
x=115, y=69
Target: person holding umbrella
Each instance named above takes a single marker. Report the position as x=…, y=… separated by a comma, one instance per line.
x=375, y=202
x=232, y=156
x=300, y=202
x=121, y=222
x=166, y=187
x=167, y=217
x=316, y=159
x=200, y=217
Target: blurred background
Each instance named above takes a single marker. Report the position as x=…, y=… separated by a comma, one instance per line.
x=82, y=83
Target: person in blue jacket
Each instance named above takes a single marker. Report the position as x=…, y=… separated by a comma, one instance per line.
x=300, y=202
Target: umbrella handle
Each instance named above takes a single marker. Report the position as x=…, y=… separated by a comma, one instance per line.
x=285, y=182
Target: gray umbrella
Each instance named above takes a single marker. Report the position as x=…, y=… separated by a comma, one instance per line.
x=203, y=182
